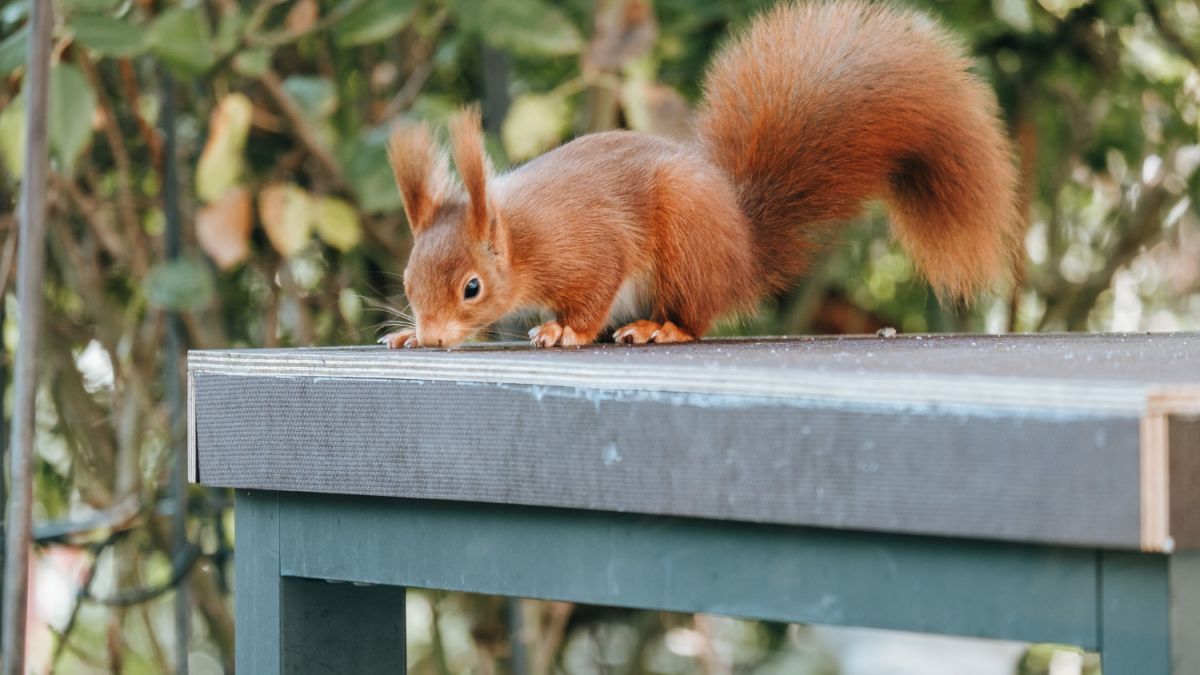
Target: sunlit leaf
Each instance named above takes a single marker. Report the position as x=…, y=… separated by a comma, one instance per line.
x=223, y=228
x=284, y=211
x=12, y=51
x=337, y=223
x=350, y=304
x=12, y=136
x=182, y=38
x=72, y=104
x=373, y=21
x=222, y=159
x=108, y=36
x=13, y=13
x=182, y=285
x=252, y=62
x=522, y=26
x=535, y=123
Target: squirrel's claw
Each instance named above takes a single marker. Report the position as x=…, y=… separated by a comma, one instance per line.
x=552, y=333
x=641, y=332
x=636, y=333
x=546, y=335
x=405, y=338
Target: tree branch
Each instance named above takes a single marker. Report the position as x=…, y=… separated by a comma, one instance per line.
x=308, y=135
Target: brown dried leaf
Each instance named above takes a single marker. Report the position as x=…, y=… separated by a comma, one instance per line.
x=284, y=211
x=223, y=228
x=302, y=17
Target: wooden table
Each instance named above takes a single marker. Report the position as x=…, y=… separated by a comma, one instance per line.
x=1042, y=488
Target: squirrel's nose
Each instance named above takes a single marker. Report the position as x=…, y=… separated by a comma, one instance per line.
x=435, y=335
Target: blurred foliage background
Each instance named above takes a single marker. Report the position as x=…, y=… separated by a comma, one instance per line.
x=219, y=179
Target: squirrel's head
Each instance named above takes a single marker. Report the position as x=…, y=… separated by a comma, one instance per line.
x=457, y=278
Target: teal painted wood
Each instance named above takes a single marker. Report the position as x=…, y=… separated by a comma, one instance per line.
x=1183, y=575
x=257, y=604
x=1150, y=613
x=963, y=587
x=341, y=629
x=1134, y=610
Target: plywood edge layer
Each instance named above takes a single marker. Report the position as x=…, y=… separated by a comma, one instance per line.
x=1004, y=394
x=192, y=463
x=1161, y=405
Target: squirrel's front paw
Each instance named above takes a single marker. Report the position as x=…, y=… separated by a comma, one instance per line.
x=553, y=333
x=403, y=338
x=641, y=332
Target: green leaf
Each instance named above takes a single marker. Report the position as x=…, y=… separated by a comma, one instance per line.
x=534, y=124
x=90, y=6
x=72, y=104
x=108, y=36
x=182, y=39
x=12, y=51
x=370, y=175
x=316, y=95
x=336, y=223
x=14, y=13
x=229, y=31
x=530, y=27
x=373, y=21
x=12, y=137
x=182, y=285
x=252, y=62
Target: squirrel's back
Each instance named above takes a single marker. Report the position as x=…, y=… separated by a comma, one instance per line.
x=818, y=107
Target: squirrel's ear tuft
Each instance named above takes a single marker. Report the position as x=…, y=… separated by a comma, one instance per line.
x=466, y=143
x=421, y=173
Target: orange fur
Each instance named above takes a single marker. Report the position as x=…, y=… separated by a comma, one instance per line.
x=819, y=107
x=421, y=175
x=466, y=142
x=812, y=111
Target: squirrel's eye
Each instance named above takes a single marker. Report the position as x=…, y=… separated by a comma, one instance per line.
x=472, y=288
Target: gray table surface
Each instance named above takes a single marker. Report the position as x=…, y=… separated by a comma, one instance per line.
x=1068, y=439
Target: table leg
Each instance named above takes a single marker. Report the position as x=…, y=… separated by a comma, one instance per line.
x=300, y=626
x=1150, y=613
x=342, y=628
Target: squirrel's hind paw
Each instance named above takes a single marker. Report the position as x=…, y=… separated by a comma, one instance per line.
x=404, y=338
x=641, y=332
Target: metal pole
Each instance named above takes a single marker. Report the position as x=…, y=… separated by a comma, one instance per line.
x=3, y=458
x=30, y=267
x=172, y=381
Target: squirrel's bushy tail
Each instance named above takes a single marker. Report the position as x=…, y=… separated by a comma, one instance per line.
x=818, y=107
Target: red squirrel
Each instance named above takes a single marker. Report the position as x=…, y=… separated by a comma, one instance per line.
x=813, y=110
